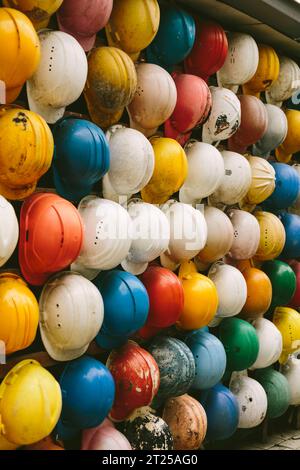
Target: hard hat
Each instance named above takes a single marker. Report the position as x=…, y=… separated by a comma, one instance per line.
x=41, y=256
x=219, y=401
x=287, y=83
x=126, y=307
x=209, y=356
x=187, y=422
x=104, y=437
x=83, y=19
x=205, y=172
x=192, y=107
x=150, y=234
x=252, y=401
x=38, y=11
x=45, y=444
x=266, y=73
x=254, y=123
x=263, y=181
x=200, y=301
x=209, y=52
x=188, y=232
x=165, y=295
x=81, y=157
x=71, y=315
x=236, y=70
x=30, y=403
x=275, y=134
x=130, y=365
x=295, y=207
x=107, y=238
x=236, y=180
x=6, y=445
x=259, y=293
x=19, y=53
x=231, y=287
x=170, y=171
x=154, y=100
x=19, y=313
x=9, y=230
x=131, y=160
x=270, y=343
x=287, y=321
x=246, y=234
x=26, y=151
x=146, y=431
x=295, y=301
x=174, y=39
x=133, y=24
x=291, y=223
x=60, y=77
x=88, y=392
x=240, y=341
x=225, y=117
x=277, y=389
x=110, y=86
x=272, y=236
x=219, y=235
x=286, y=187
x=291, y=371
x=283, y=282
x=291, y=144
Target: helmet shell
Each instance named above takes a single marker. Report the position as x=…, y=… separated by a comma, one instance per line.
x=252, y=400
x=277, y=389
x=291, y=223
x=270, y=343
x=283, y=281
x=275, y=134
x=259, y=293
x=287, y=186
x=246, y=233
x=272, y=236
x=291, y=144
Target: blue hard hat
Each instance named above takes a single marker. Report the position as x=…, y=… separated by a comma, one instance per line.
x=210, y=358
x=81, y=157
x=88, y=392
x=65, y=433
x=175, y=37
x=286, y=188
x=291, y=224
x=126, y=307
x=222, y=411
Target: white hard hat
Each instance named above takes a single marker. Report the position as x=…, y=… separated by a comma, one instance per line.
x=246, y=233
x=9, y=230
x=188, y=232
x=236, y=70
x=291, y=371
x=286, y=84
x=107, y=234
x=60, y=77
x=275, y=133
x=270, y=343
x=231, y=287
x=131, y=160
x=252, y=400
x=236, y=181
x=150, y=236
x=225, y=117
x=71, y=315
x=205, y=172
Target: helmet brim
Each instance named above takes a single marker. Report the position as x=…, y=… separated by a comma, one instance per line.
x=50, y=114
x=134, y=268
x=60, y=354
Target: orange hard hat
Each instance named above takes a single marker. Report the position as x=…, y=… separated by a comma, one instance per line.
x=259, y=293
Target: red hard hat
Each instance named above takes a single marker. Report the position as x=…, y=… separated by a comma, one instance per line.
x=209, y=52
x=51, y=233
x=165, y=294
x=253, y=126
x=295, y=302
x=172, y=133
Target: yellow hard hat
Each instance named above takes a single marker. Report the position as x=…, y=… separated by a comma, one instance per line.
x=19, y=51
x=170, y=170
x=291, y=143
x=38, y=11
x=26, y=151
x=200, y=301
x=287, y=320
x=19, y=313
x=30, y=403
x=263, y=181
x=133, y=25
x=267, y=71
x=110, y=86
x=272, y=236
x=6, y=445
x=186, y=268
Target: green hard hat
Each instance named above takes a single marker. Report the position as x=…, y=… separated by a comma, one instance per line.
x=283, y=280
x=277, y=389
x=240, y=342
